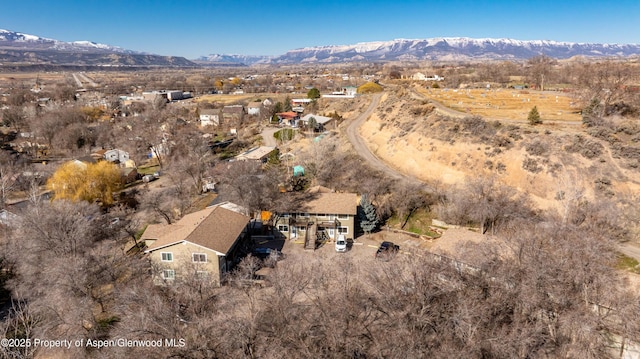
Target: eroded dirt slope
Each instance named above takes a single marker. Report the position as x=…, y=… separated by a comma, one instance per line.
x=545, y=161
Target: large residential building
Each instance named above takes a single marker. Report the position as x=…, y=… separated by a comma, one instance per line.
x=324, y=216
x=202, y=245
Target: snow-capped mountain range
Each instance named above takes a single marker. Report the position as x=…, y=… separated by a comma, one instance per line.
x=453, y=48
x=441, y=48
x=17, y=46
x=31, y=50
x=13, y=40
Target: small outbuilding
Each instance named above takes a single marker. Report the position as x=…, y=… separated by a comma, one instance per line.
x=298, y=171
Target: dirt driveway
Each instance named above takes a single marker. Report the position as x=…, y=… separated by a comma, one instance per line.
x=267, y=136
x=363, y=247
x=361, y=148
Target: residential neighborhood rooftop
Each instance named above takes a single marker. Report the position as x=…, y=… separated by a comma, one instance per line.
x=332, y=203
x=319, y=119
x=287, y=115
x=255, y=153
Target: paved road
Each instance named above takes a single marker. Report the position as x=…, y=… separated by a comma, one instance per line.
x=88, y=80
x=77, y=80
x=79, y=77
x=362, y=149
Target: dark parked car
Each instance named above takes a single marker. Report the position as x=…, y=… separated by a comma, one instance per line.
x=387, y=250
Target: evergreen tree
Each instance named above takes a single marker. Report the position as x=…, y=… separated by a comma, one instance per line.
x=534, y=116
x=286, y=106
x=277, y=108
x=313, y=123
x=367, y=215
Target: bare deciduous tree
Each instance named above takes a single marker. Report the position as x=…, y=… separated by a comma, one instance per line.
x=540, y=70
x=606, y=81
x=485, y=202
x=193, y=157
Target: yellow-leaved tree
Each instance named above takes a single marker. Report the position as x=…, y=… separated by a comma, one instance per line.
x=79, y=181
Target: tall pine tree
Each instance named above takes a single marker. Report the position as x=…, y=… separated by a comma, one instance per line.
x=367, y=215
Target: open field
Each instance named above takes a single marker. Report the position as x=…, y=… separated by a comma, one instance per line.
x=31, y=77
x=507, y=104
x=226, y=98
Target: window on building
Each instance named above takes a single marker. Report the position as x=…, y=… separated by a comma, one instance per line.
x=167, y=256
x=332, y=217
x=304, y=215
x=169, y=274
x=283, y=228
x=343, y=216
x=199, y=257
x=284, y=215
x=343, y=230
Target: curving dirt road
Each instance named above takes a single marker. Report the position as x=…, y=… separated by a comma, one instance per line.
x=267, y=136
x=361, y=148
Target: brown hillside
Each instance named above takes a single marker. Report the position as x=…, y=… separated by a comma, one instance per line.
x=543, y=161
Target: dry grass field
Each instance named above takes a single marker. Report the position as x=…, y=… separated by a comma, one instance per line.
x=507, y=104
x=227, y=98
x=9, y=78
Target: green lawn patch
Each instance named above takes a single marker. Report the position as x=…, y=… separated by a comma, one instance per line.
x=419, y=223
x=148, y=170
x=625, y=262
x=285, y=134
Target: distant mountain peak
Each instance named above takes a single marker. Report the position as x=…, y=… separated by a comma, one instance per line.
x=31, y=49
x=18, y=39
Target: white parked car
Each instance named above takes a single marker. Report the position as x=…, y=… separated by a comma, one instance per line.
x=341, y=244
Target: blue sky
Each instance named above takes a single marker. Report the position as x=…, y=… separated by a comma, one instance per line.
x=193, y=28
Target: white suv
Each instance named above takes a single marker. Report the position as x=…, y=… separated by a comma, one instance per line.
x=341, y=244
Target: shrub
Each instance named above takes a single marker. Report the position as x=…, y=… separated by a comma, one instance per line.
x=531, y=165
x=536, y=148
x=474, y=124
x=501, y=141
x=369, y=87
x=587, y=148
